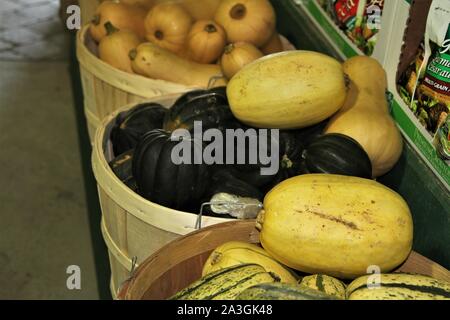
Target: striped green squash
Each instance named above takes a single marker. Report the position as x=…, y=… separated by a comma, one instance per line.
x=283, y=291
x=225, y=284
x=326, y=284
x=398, y=286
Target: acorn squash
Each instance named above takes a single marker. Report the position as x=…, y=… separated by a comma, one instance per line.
x=337, y=154
x=130, y=126
x=166, y=180
x=210, y=107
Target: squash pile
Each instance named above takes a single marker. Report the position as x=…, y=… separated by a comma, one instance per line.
x=243, y=271
x=198, y=43
x=310, y=102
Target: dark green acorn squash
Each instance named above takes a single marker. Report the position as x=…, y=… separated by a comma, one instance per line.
x=208, y=106
x=122, y=166
x=131, y=125
x=229, y=181
x=159, y=179
x=310, y=134
x=337, y=154
x=290, y=149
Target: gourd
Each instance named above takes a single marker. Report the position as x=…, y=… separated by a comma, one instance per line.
x=312, y=88
x=167, y=25
x=290, y=149
x=337, y=154
x=282, y=291
x=335, y=225
x=206, y=41
x=365, y=115
x=154, y=62
x=210, y=107
x=250, y=21
x=130, y=126
x=237, y=252
x=399, y=286
x=161, y=179
x=274, y=45
x=236, y=56
x=225, y=284
x=114, y=48
x=121, y=16
x=326, y=284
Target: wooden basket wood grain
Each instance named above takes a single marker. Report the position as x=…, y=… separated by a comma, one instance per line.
x=133, y=226
x=107, y=89
x=180, y=263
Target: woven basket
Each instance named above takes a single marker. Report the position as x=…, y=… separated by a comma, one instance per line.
x=133, y=226
x=180, y=263
x=107, y=89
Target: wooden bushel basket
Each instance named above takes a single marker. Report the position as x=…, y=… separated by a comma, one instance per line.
x=133, y=226
x=107, y=89
x=180, y=263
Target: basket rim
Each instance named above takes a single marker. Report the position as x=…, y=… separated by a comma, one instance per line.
x=175, y=221
x=414, y=258
x=123, y=293
x=132, y=83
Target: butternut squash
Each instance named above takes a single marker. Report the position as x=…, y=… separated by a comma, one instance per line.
x=120, y=15
x=167, y=25
x=250, y=21
x=274, y=45
x=114, y=48
x=155, y=62
x=206, y=41
x=365, y=115
x=237, y=56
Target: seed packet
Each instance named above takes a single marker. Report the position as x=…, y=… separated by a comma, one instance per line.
x=425, y=86
x=360, y=20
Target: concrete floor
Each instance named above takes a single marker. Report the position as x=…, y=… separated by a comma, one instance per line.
x=44, y=225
